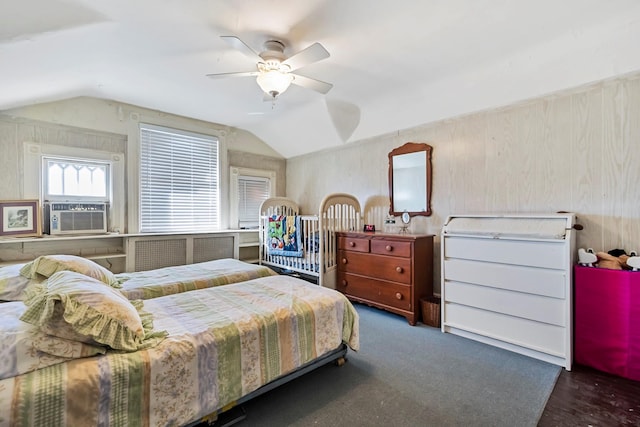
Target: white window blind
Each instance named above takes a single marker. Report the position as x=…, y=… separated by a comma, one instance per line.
x=179, y=184
x=252, y=191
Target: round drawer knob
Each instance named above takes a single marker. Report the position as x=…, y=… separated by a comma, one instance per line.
x=344, y=260
x=344, y=283
x=398, y=295
x=352, y=244
x=388, y=248
x=399, y=269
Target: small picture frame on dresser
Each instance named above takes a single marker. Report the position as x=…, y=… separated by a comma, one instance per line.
x=369, y=228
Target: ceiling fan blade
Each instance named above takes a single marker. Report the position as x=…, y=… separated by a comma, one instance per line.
x=314, y=53
x=309, y=83
x=239, y=74
x=238, y=44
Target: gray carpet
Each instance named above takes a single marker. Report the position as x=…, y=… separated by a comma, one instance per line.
x=411, y=376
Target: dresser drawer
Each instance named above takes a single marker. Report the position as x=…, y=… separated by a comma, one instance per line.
x=390, y=247
x=552, y=311
x=378, y=266
x=551, y=255
x=353, y=244
x=391, y=294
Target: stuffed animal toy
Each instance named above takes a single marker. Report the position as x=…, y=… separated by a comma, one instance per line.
x=587, y=257
x=615, y=259
x=634, y=263
x=606, y=260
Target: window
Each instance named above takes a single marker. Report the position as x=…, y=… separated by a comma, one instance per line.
x=252, y=191
x=249, y=188
x=76, y=179
x=86, y=165
x=179, y=185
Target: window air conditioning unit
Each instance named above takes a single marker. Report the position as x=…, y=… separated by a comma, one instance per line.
x=74, y=218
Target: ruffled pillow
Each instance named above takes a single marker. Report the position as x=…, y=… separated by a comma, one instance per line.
x=74, y=306
x=12, y=283
x=46, y=265
x=58, y=327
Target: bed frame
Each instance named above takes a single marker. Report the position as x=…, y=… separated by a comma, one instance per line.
x=226, y=416
x=337, y=212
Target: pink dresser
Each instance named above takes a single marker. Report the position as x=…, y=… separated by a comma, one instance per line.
x=607, y=320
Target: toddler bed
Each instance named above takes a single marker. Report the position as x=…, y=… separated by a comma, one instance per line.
x=306, y=244
x=201, y=352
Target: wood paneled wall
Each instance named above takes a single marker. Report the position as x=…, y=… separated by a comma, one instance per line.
x=576, y=151
x=257, y=161
x=14, y=132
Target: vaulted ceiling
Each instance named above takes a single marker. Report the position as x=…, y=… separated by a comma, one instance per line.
x=393, y=64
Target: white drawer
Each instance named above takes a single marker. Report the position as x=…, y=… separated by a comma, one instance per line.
x=544, y=254
x=541, y=337
x=527, y=306
x=551, y=283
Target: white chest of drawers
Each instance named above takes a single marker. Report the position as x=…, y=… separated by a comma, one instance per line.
x=507, y=281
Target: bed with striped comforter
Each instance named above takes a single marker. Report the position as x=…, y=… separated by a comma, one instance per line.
x=224, y=343
x=182, y=278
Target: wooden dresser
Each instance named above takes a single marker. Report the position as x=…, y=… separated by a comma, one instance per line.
x=388, y=271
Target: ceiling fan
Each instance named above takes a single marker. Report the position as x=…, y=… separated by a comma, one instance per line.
x=274, y=71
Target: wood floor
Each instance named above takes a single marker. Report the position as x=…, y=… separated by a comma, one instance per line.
x=586, y=397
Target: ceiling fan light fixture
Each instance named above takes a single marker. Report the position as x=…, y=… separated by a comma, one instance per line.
x=275, y=71
x=274, y=82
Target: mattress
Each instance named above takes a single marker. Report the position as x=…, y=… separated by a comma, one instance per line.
x=224, y=343
x=307, y=263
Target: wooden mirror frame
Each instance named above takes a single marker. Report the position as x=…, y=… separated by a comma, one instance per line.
x=411, y=147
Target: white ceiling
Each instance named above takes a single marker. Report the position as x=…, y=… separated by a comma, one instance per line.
x=394, y=64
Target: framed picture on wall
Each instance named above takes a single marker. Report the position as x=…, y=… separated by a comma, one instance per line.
x=20, y=218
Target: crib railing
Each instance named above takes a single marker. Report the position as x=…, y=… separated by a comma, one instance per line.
x=309, y=262
x=338, y=212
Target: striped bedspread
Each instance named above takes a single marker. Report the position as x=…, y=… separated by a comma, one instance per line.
x=182, y=278
x=224, y=342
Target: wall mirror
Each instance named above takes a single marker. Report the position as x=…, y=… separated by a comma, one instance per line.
x=410, y=179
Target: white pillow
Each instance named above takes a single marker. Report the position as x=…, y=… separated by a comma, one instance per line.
x=46, y=265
